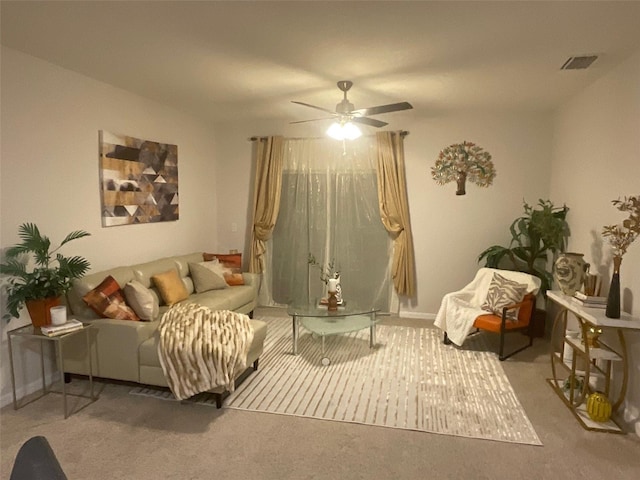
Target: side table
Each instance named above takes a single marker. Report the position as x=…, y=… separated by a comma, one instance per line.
x=31, y=332
x=588, y=361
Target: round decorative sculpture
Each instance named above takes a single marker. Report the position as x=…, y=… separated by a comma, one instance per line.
x=599, y=407
x=569, y=271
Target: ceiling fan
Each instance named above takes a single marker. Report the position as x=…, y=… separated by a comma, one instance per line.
x=346, y=113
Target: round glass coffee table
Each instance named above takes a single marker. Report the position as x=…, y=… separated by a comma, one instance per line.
x=322, y=322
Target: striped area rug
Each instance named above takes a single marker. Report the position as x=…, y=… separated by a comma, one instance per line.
x=411, y=380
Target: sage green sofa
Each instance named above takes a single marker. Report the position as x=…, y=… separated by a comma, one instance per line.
x=128, y=350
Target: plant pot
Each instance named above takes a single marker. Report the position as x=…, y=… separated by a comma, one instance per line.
x=538, y=323
x=39, y=310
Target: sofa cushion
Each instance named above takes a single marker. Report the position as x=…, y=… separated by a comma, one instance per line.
x=142, y=300
x=107, y=300
x=226, y=299
x=206, y=276
x=149, y=348
x=170, y=287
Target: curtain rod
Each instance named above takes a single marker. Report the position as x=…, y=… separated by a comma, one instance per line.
x=403, y=133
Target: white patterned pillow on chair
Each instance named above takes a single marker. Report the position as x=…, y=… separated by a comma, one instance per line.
x=503, y=292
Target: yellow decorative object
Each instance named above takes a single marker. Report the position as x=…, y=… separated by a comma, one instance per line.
x=599, y=407
x=592, y=337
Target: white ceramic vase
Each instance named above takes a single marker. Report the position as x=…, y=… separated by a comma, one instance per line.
x=569, y=271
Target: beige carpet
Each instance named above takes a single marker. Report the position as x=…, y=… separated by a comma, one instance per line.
x=124, y=437
x=409, y=381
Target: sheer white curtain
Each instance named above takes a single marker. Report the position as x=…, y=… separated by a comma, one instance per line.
x=328, y=208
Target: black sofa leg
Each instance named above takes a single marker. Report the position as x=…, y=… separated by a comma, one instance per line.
x=251, y=314
x=255, y=364
x=446, y=340
x=67, y=377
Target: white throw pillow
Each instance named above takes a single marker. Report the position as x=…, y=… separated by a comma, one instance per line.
x=207, y=276
x=141, y=300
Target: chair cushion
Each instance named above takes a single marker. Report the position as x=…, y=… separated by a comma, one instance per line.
x=504, y=292
x=491, y=322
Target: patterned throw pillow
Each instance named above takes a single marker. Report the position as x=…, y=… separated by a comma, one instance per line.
x=142, y=301
x=170, y=286
x=229, y=260
x=503, y=292
x=207, y=276
x=232, y=263
x=107, y=300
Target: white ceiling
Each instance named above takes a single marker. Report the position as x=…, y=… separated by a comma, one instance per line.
x=247, y=60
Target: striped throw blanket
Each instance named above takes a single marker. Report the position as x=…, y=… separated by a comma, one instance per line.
x=201, y=349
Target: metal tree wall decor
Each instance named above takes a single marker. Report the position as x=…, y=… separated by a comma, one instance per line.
x=461, y=162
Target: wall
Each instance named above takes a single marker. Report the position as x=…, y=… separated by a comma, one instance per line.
x=596, y=159
x=49, y=160
x=449, y=231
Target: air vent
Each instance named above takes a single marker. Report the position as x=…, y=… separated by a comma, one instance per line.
x=579, y=63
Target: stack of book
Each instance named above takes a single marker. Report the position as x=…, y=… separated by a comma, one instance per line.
x=70, y=325
x=590, y=301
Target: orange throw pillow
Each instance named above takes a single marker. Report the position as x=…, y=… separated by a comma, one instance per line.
x=107, y=300
x=229, y=260
x=232, y=262
x=170, y=286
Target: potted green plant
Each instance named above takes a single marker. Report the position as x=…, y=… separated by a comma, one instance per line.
x=536, y=234
x=40, y=288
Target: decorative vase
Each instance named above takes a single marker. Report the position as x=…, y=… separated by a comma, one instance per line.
x=613, y=299
x=569, y=271
x=599, y=407
x=40, y=310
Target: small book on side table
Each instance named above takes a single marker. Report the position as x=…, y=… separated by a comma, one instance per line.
x=590, y=301
x=70, y=325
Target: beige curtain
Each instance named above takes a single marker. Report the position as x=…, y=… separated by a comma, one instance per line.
x=269, y=153
x=394, y=209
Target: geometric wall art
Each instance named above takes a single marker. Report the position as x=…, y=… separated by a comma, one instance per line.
x=138, y=180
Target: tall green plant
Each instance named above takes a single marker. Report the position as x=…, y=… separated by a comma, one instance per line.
x=50, y=277
x=539, y=232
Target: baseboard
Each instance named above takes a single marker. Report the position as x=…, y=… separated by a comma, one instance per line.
x=424, y=316
x=23, y=390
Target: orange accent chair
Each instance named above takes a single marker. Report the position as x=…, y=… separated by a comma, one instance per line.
x=501, y=325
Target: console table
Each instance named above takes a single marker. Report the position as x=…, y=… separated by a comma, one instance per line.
x=588, y=361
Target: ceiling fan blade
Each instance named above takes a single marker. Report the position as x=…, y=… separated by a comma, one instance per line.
x=372, y=122
x=392, y=107
x=312, y=120
x=313, y=106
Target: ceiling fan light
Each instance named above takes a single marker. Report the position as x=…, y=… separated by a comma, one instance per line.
x=346, y=131
x=351, y=131
x=335, y=131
